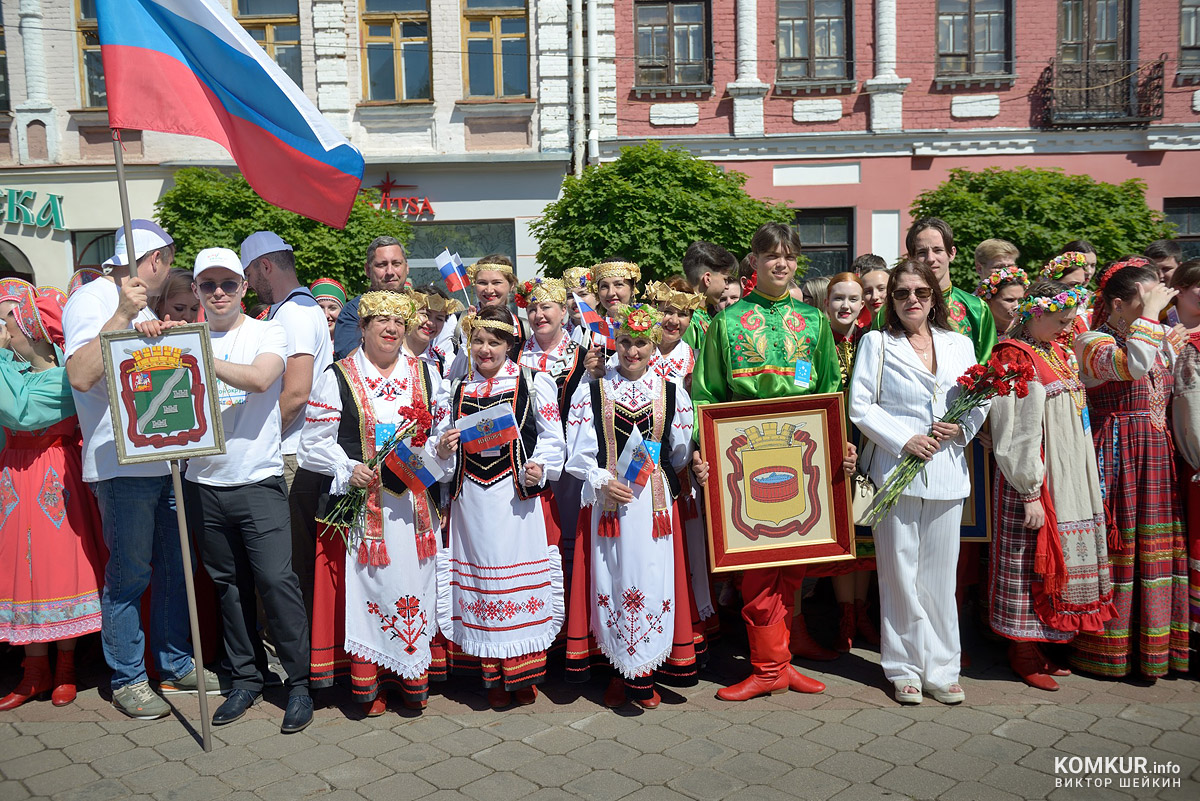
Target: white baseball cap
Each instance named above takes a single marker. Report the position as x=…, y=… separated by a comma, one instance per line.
x=261, y=243
x=217, y=257
x=147, y=236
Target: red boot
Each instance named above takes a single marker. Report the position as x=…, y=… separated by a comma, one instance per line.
x=35, y=682
x=864, y=625
x=798, y=682
x=804, y=646
x=846, y=627
x=375, y=707
x=1028, y=663
x=614, y=696
x=769, y=660
x=64, y=678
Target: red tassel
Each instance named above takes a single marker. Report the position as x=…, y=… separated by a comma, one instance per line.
x=364, y=556
x=382, y=555
x=662, y=525
x=426, y=545
x=609, y=525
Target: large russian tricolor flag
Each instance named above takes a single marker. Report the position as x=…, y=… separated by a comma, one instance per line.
x=187, y=67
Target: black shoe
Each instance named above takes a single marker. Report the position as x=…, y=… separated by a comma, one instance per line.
x=236, y=704
x=299, y=714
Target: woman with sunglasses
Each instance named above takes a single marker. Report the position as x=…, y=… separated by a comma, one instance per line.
x=904, y=377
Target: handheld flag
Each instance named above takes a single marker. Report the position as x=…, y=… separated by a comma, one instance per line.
x=638, y=459
x=490, y=428
x=453, y=273
x=187, y=67
x=595, y=322
x=414, y=466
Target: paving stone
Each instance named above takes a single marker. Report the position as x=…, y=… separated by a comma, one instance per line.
x=445, y=795
x=553, y=770
x=30, y=728
x=453, y=773
x=279, y=747
x=854, y=766
x=507, y=755
x=355, y=773
x=956, y=765
x=786, y=723
x=465, y=741
x=338, y=730
x=18, y=745
x=1090, y=793
x=878, y=721
x=257, y=774
x=603, y=754
x=1065, y=718
x=33, y=764
x=220, y=760
x=914, y=782
x=312, y=760
x=840, y=736
x=797, y=752
x=699, y=751
x=1124, y=731
x=244, y=732
x=865, y=792
x=91, y=750
x=1085, y=744
x=974, y=791
x=551, y=794
x=514, y=727
x=655, y=794
x=975, y=721
x=1178, y=742
x=1029, y=733
x=745, y=738
x=1159, y=717
x=697, y=724
x=816, y=785
x=651, y=738
x=181, y=748
x=412, y=757
x=373, y=743
x=127, y=761
x=749, y=767
x=934, y=735
x=61, y=779
x=706, y=784
x=426, y=728
x=653, y=768
x=896, y=751
x=100, y=790
x=70, y=735
x=1026, y=783
x=398, y=787
x=557, y=740
x=293, y=787
x=1000, y=749
x=762, y=792
x=162, y=731
x=601, y=785
x=159, y=777
x=500, y=786
x=204, y=788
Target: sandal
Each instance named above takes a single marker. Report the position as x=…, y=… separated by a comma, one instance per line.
x=950, y=694
x=907, y=692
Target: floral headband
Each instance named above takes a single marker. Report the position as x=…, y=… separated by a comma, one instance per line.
x=1036, y=307
x=579, y=278
x=638, y=320
x=617, y=269
x=479, y=266
x=989, y=286
x=435, y=302
x=1062, y=264
x=659, y=292
x=1115, y=267
x=541, y=290
x=390, y=304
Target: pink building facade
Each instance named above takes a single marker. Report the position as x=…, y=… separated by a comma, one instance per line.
x=847, y=109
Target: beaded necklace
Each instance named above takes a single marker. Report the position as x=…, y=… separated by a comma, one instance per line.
x=1064, y=372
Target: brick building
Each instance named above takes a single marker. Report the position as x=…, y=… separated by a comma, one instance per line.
x=459, y=106
x=847, y=109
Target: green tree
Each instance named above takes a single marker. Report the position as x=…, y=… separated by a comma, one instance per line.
x=648, y=206
x=1039, y=211
x=208, y=208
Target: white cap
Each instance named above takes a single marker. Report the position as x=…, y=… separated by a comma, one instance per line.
x=147, y=236
x=217, y=257
x=260, y=244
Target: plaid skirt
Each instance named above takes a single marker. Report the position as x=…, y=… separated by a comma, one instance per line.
x=1190, y=490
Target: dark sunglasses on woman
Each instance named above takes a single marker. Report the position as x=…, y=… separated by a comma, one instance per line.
x=922, y=293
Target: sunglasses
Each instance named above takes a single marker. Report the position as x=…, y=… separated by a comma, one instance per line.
x=922, y=293
x=228, y=287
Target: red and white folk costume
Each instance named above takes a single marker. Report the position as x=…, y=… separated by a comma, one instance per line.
x=500, y=582
x=631, y=595
x=376, y=608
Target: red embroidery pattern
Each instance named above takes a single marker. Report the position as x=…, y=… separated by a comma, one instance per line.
x=52, y=498
x=632, y=632
x=387, y=388
x=501, y=610
x=411, y=619
x=549, y=411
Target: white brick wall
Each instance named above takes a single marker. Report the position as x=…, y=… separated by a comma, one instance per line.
x=674, y=114
x=971, y=106
x=827, y=110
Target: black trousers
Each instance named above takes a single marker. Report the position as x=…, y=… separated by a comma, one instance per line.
x=303, y=497
x=244, y=536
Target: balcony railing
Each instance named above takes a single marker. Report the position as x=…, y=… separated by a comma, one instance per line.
x=1102, y=93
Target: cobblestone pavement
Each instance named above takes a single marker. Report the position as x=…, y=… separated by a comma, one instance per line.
x=851, y=742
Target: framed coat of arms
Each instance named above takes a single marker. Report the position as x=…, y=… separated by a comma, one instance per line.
x=776, y=492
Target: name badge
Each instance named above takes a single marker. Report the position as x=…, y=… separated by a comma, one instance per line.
x=1086, y=419
x=803, y=375
x=383, y=432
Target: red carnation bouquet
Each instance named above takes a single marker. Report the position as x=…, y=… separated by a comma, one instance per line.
x=979, y=384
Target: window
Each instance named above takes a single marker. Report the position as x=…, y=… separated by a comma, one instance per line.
x=1184, y=212
x=497, y=57
x=812, y=40
x=1189, y=34
x=5, y=103
x=972, y=37
x=274, y=24
x=90, y=64
x=672, y=44
x=396, y=37
x=825, y=237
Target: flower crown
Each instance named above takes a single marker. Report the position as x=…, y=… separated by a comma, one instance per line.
x=390, y=304
x=475, y=268
x=1037, y=306
x=638, y=320
x=1062, y=264
x=659, y=292
x=435, y=302
x=616, y=269
x=541, y=290
x=989, y=286
x=578, y=278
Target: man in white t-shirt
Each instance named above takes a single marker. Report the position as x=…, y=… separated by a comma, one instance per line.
x=270, y=268
x=237, y=502
x=137, y=504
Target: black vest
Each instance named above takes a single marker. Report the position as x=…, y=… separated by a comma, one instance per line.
x=623, y=427
x=487, y=470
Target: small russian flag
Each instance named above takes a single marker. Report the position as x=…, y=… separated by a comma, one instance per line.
x=414, y=466
x=451, y=268
x=638, y=459
x=487, y=429
x=595, y=322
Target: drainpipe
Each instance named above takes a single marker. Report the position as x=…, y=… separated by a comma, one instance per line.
x=593, y=68
x=579, y=133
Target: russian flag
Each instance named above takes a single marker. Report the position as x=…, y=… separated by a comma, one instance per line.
x=414, y=466
x=451, y=268
x=638, y=459
x=595, y=322
x=487, y=429
x=187, y=67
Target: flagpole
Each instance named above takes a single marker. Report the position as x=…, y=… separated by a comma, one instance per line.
x=126, y=220
x=194, y=619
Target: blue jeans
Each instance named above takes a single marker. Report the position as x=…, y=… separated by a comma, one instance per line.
x=142, y=535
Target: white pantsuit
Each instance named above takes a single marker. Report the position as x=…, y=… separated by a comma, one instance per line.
x=916, y=545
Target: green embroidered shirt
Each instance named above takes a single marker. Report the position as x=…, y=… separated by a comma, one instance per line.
x=694, y=335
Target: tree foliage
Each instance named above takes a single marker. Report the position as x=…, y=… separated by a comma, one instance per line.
x=208, y=208
x=648, y=206
x=1040, y=211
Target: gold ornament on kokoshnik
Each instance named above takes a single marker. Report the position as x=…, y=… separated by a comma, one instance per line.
x=659, y=292
x=541, y=290
x=481, y=266
x=390, y=304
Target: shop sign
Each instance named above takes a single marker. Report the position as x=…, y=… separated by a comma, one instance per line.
x=19, y=205
x=408, y=205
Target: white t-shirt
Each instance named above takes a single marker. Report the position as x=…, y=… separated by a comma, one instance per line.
x=307, y=332
x=250, y=419
x=89, y=309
